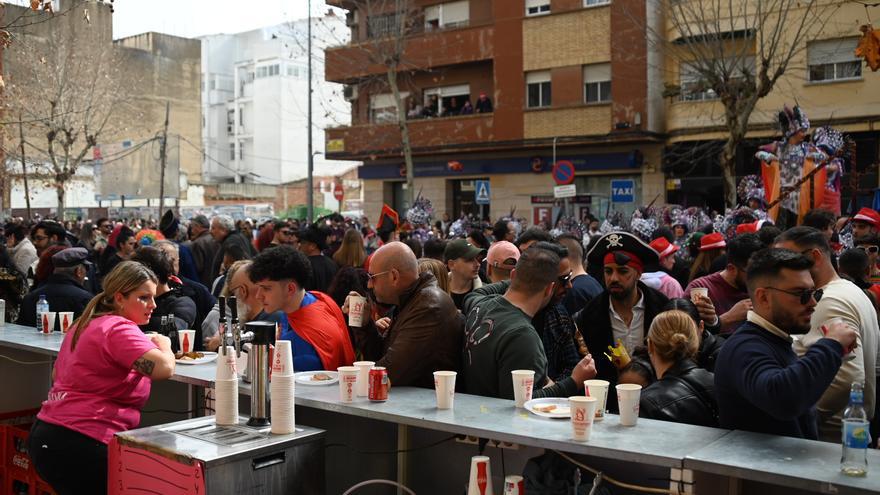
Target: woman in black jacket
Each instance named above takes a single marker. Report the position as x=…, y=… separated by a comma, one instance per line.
x=683, y=392
x=710, y=344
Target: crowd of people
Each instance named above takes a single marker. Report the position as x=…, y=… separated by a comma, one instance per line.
x=730, y=323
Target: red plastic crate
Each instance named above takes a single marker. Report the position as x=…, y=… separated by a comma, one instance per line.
x=18, y=463
x=20, y=485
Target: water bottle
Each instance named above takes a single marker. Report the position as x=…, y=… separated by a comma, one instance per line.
x=856, y=434
x=42, y=307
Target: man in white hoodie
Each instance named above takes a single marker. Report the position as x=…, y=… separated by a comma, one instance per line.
x=661, y=280
x=21, y=250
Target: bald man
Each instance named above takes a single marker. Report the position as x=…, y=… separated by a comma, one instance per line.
x=425, y=334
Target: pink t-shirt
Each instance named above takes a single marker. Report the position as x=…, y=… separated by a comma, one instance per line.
x=96, y=392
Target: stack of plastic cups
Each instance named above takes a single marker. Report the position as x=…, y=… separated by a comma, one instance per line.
x=226, y=388
x=480, y=481
x=281, y=389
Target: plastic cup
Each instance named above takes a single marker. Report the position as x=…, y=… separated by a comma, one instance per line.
x=48, y=323
x=628, y=395
x=187, y=339
x=444, y=386
x=850, y=355
x=356, y=306
x=282, y=359
x=226, y=402
x=599, y=390
x=227, y=368
x=363, y=380
x=699, y=291
x=281, y=407
x=514, y=485
x=65, y=319
x=347, y=382
x=523, y=382
x=583, y=410
x=480, y=481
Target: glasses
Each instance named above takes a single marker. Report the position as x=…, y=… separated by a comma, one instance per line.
x=563, y=280
x=372, y=276
x=802, y=295
x=869, y=249
x=286, y=232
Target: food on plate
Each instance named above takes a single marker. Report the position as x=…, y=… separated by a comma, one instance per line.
x=183, y=356
x=320, y=377
x=545, y=408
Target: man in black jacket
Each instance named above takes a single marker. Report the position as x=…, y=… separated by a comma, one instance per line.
x=223, y=231
x=625, y=310
x=63, y=289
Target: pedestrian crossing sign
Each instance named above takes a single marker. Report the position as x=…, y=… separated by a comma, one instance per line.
x=481, y=191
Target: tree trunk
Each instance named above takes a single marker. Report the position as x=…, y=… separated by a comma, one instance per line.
x=59, y=191
x=728, y=170
x=404, y=137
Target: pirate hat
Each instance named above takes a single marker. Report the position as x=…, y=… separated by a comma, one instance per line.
x=622, y=248
x=388, y=220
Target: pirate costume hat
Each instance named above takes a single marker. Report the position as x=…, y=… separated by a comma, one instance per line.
x=622, y=248
x=388, y=220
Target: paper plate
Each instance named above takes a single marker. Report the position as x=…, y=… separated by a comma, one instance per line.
x=562, y=411
x=209, y=356
x=305, y=378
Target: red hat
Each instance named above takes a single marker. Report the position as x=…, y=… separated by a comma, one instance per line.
x=868, y=215
x=750, y=228
x=663, y=247
x=712, y=241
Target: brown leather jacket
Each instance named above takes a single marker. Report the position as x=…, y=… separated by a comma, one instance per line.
x=425, y=336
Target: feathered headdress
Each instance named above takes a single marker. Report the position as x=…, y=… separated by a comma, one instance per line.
x=792, y=120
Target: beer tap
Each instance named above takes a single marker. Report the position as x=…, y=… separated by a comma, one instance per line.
x=221, y=326
x=235, y=327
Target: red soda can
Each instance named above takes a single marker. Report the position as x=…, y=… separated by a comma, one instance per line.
x=379, y=384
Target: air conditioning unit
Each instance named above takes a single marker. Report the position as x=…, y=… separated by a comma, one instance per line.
x=350, y=92
x=351, y=18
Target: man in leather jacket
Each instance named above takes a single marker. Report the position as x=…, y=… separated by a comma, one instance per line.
x=425, y=333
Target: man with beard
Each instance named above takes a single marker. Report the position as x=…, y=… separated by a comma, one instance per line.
x=760, y=383
x=728, y=302
x=840, y=299
x=624, y=311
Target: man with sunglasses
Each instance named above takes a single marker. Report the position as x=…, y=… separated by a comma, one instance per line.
x=840, y=299
x=624, y=311
x=283, y=234
x=870, y=244
x=760, y=383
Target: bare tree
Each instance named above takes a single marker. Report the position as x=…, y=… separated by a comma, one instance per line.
x=67, y=82
x=736, y=51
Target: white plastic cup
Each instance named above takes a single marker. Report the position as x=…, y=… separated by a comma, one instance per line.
x=628, y=395
x=348, y=376
x=282, y=360
x=599, y=390
x=363, y=380
x=48, y=323
x=187, y=340
x=281, y=407
x=65, y=319
x=356, y=306
x=523, y=382
x=480, y=481
x=444, y=386
x=226, y=402
x=583, y=411
x=514, y=485
x=699, y=291
x=227, y=367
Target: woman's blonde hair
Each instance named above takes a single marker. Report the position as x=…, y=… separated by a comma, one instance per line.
x=126, y=277
x=674, y=336
x=351, y=252
x=438, y=269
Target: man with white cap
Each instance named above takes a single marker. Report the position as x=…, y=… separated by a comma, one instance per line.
x=661, y=280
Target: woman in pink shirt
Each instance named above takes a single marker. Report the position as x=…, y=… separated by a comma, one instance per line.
x=102, y=380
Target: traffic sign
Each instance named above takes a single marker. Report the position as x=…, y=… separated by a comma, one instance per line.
x=481, y=191
x=338, y=192
x=566, y=191
x=623, y=191
x=563, y=172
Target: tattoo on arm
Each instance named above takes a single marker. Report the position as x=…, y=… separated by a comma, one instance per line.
x=145, y=366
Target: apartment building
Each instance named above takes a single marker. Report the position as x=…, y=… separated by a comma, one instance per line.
x=568, y=79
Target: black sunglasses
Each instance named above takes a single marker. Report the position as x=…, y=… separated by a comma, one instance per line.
x=802, y=295
x=563, y=280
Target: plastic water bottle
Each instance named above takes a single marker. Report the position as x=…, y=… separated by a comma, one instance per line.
x=856, y=434
x=42, y=307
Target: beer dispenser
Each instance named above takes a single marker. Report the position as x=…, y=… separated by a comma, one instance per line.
x=260, y=334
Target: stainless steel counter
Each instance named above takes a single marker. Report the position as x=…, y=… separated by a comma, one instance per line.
x=29, y=339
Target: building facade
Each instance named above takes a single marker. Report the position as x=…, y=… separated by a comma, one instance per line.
x=254, y=103
x=546, y=65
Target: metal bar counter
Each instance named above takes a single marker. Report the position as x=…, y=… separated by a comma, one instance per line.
x=30, y=339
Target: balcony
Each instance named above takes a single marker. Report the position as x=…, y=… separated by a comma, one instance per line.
x=370, y=141
x=348, y=63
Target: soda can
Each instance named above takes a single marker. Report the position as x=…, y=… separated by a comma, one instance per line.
x=379, y=384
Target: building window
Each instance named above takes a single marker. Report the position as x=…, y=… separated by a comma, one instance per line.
x=593, y=3
x=833, y=60
x=538, y=89
x=696, y=87
x=383, y=109
x=262, y=72
x=232, y=151
x=447, y=100
x=230, y=120
x=274, y=70
x=597, y=83
x=537, y=7
x=447, y=15
x=381, y=26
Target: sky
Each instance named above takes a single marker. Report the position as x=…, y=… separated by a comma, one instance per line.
x=191, y=18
